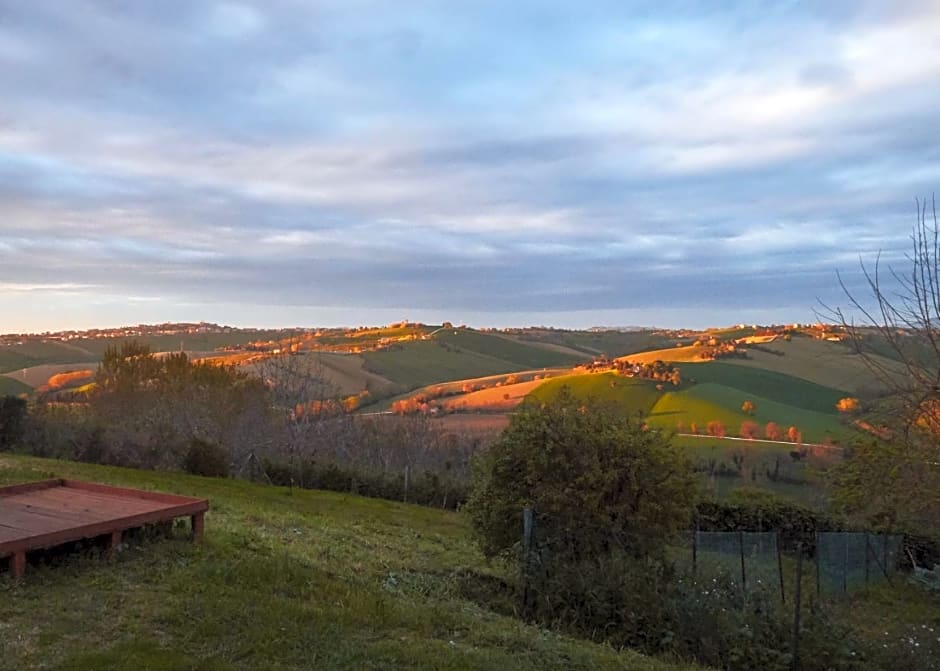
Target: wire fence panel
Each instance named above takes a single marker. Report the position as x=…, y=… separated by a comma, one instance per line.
x=750, y=559
x=847, y=561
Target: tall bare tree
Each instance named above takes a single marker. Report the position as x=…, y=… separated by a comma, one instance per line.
x=894, y=326
x=303, y=396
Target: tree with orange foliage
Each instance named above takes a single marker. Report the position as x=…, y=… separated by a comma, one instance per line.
x=748, y=429
x=773, y=431
x=794, y=435
x=716, y=429
x=848, y=405
x=748, y=407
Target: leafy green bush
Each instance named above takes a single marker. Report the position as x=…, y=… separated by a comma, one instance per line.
x=205, y=458
x=598, y=479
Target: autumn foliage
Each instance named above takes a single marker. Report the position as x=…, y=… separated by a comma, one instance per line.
x=848, y=405
x=748, y=429
x=716, y=429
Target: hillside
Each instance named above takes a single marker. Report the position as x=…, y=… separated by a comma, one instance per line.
x=594, y=343
x=830, y=364
x=459, y=354
x=12, y=387
x=281, y=581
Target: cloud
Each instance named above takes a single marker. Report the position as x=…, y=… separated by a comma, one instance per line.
x=544, y=160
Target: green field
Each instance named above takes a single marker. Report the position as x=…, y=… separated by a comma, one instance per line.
x=11, y=387
x=15, y=357
x=416, y=364
x=774, y=385
x=610, y=343
x=829, y=364
x=632, y=394
x=459, y=354
x=702, y=403
x=717, y=394
x=281, y=581
x=494, y=345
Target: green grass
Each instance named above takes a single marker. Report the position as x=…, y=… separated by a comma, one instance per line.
x=11, y=387
x=702, y=403
x=281, y=581
x=513, y=351
x=769, y=384
x=633, y=394
x=828, y=364
x=611, y=343
x=34, y=353
x=424, y=362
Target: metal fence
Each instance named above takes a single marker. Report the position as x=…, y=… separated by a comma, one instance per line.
x=847, y=561
x=750, y=559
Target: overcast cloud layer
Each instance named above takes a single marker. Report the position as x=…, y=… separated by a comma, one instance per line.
x=285, y=163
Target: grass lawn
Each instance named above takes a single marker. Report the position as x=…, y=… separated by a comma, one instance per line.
x=281, y=581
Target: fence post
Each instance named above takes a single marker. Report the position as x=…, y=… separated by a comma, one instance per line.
x=695, y=552
x=884, y=555
x=845, y=563
x=797, y=603
x=404, y=496
x=867, y=550
x=818, y=563
x=528, y=531
x=783, y=598
x=743, y=572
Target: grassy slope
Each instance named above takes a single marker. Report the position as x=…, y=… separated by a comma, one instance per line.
x=309, y=580
x=11, y=387
x=769, y=384
x=670, y=354
x=420, y=363
x=633, y=394
x=611, y=343
x=16, y=357
x=702, y=403
x=720, y=390
x=348, y=373
x=507, y=349
x=826, y=363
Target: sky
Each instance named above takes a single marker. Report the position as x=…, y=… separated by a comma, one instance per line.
x=288, y=163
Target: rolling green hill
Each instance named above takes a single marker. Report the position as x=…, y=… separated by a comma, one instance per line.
x=705, y=402
x=610, y=343
x=634, y=395
x=15, y=357
x=458, y=354
x=309, y=580
x=829, y=364
x=11, y=387
x=769, y=384
x=507, y=349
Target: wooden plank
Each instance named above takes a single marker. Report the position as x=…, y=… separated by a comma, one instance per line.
x=19, y=519
x=13, y=490
x=77, y=515
x=128, y=493
x=97, y=501
x=46, y=500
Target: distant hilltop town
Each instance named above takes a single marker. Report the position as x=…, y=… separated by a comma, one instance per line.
x=138, y=331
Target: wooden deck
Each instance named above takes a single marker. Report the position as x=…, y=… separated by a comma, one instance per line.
x=44, y=514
